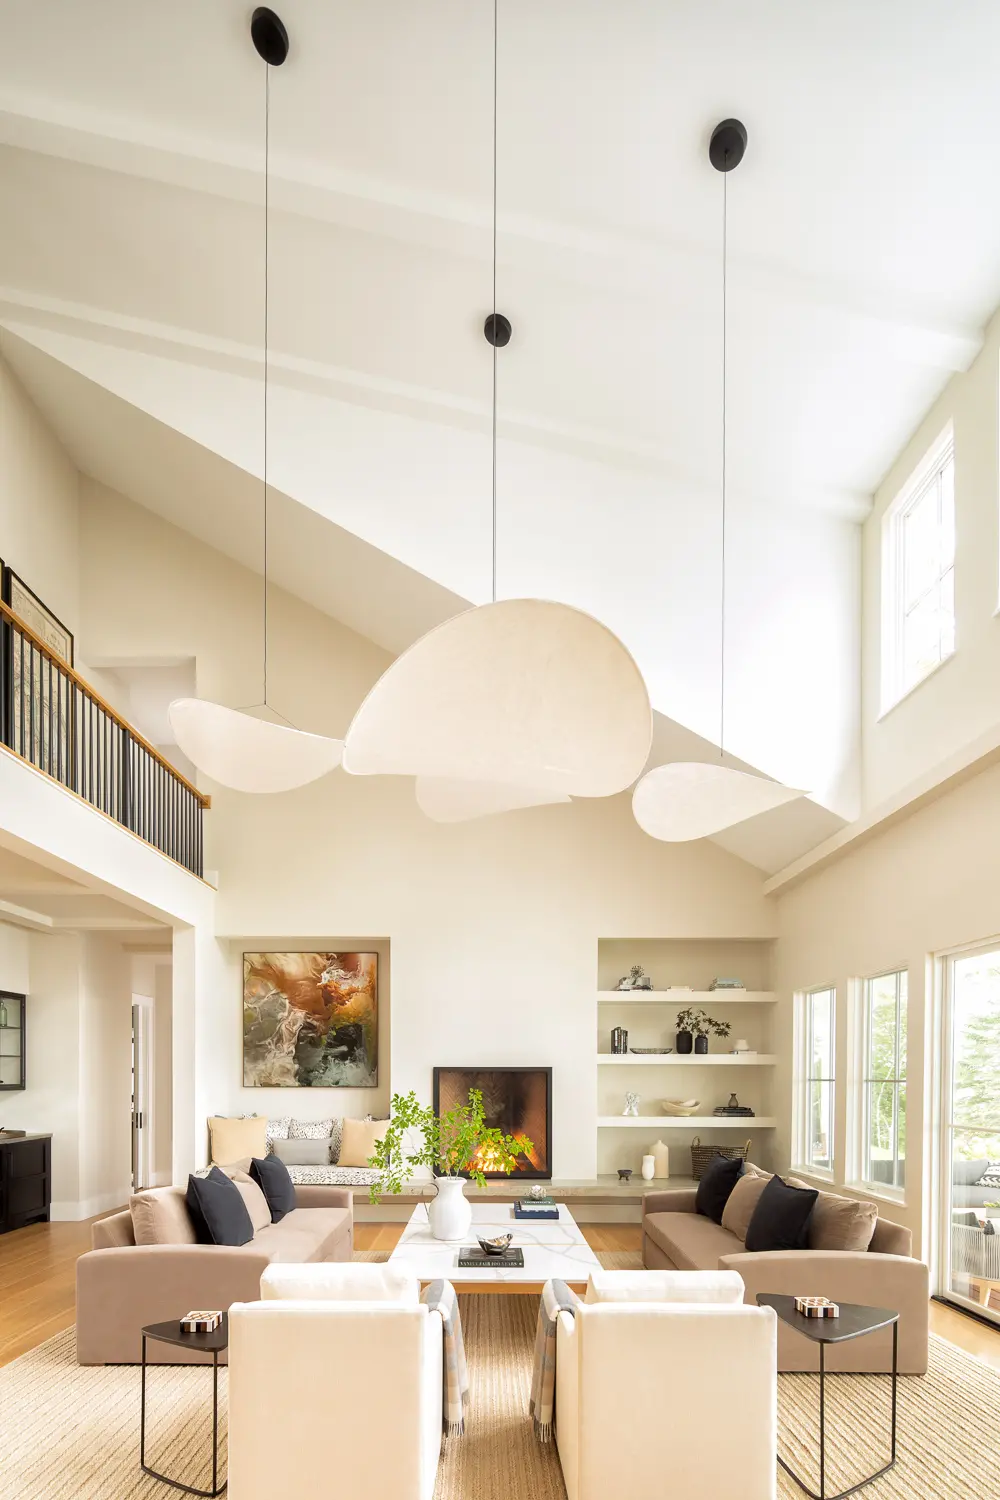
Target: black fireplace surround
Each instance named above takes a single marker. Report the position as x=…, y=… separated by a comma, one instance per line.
x=517, y=1101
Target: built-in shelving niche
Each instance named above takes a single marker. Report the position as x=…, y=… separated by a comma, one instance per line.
x=649, y=1018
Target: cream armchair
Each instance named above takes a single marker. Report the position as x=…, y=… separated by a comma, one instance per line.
x=667, y=1398
x=329, y=1351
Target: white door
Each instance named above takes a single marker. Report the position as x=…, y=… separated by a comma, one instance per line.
x=142, y=1073
x=969, y=1192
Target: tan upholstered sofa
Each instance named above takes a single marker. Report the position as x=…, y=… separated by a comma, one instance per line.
x=884, y=1275
x=122, y=1285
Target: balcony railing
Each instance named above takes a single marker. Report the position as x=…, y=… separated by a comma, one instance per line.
x=53, y=719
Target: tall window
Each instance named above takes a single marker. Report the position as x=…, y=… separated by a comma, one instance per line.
x=819, y=1011
x=918, y=575
x=883, y=1130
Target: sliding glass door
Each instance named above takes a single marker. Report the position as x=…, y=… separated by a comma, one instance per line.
x=970, y=1187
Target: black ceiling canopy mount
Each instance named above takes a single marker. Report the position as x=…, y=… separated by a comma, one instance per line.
x=269, y=36
x=728, y=143
x=497, y=330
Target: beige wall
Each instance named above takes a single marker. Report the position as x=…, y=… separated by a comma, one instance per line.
x=928, y=884
x=493, y=925
x=39, y=490
x=958, y=703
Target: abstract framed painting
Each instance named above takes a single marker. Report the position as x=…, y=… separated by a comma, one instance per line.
x=310, y=1020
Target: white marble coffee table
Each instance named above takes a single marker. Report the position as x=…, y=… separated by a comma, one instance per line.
x=552, y=1247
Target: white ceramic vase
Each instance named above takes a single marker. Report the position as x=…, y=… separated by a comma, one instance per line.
x=450, y=1212
x=648, y=1168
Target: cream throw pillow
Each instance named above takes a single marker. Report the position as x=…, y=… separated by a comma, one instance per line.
x=160, y=1217
x=237, y=1140
x=256, y=1203
x=358, y=1141
x=742, y=1201
x=839, y=1223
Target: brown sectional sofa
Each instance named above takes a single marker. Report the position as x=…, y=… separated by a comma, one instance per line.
x=674, y=1236
x=120, y=1286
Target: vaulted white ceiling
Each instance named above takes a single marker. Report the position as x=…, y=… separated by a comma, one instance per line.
x=864, y=263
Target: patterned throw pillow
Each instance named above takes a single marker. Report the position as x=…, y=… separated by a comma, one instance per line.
x=991, y=1177
x=309, y=1130
x=277, y=1130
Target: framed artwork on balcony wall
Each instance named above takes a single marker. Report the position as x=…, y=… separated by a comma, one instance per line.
x=37, y=616
x=310, y=1020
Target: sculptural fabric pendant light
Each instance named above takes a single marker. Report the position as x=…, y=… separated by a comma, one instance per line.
x=513, y=704
x=687, y=800
x=233, y=747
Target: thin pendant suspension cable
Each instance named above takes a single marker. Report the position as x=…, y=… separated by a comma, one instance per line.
x=267, y=280
x=494, y=432
x=722, y=591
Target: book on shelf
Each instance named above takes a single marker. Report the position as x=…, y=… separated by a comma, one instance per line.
x=471, y=1257
x=543, y=1200
x=744, y=1111
x=727, y=984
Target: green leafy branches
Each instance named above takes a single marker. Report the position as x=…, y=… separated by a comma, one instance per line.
x=458, y=1143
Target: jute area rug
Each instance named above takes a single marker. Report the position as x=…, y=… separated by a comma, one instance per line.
x=72, y=1433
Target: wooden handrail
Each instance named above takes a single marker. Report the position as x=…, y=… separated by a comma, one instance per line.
x=67, y=671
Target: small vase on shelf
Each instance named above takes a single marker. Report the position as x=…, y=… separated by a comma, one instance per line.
x=661, y=1160
x=701, y=1044
x=648, y=1168
x=685, y=1041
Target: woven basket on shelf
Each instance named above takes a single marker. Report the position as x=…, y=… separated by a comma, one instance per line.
x=702, y=1155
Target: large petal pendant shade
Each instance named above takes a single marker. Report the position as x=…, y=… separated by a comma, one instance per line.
x=461, y=801
x=522, y=692
x=248, y=754
x=693, y=799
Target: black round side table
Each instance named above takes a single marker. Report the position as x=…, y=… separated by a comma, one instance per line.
x=214, y=1343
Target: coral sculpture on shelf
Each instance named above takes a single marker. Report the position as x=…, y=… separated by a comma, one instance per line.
x=635, y=979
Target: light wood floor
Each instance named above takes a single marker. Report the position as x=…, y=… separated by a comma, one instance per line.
x=38, y=1283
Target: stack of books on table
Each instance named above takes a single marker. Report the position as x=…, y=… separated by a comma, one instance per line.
x=536, y=1208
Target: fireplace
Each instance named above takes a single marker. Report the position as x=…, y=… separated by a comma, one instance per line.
x=517, y=1101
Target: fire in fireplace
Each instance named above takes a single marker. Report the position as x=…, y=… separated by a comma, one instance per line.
x=517, y=1101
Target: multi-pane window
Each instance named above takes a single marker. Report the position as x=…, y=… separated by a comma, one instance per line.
x=918, y=542
x=819, y=1028
x=883, y=1129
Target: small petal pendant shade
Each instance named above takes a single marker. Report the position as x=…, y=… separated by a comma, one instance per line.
x=522, y=692
x=248, y=754
x=462, y=801
x=693, y=799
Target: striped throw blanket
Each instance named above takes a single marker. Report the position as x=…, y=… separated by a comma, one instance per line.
x=440, y=1298
x=556, y=1298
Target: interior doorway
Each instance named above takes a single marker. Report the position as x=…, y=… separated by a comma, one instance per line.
x=969, y=1186
x=142, y=1072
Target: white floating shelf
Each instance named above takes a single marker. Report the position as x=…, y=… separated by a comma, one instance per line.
x=691, y=1060
x=691, y=1122
x=682, y=998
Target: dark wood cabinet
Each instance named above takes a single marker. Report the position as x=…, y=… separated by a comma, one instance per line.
x=12, y=1040
x=25, y=1180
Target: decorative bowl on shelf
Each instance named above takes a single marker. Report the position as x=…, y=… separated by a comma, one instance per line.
x=646, y=1051
x=495, y=1246
x=680, y=1107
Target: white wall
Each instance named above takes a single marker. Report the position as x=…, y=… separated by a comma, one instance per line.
x=929, y=883
x=105, y=1144
x=13, y=959
x=493, y=926
x=958, y=704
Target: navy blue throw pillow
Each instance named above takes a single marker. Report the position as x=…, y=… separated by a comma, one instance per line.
x=274, y=1180
x=217, y=1210
x=717, y=1182
x=781, y=1219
